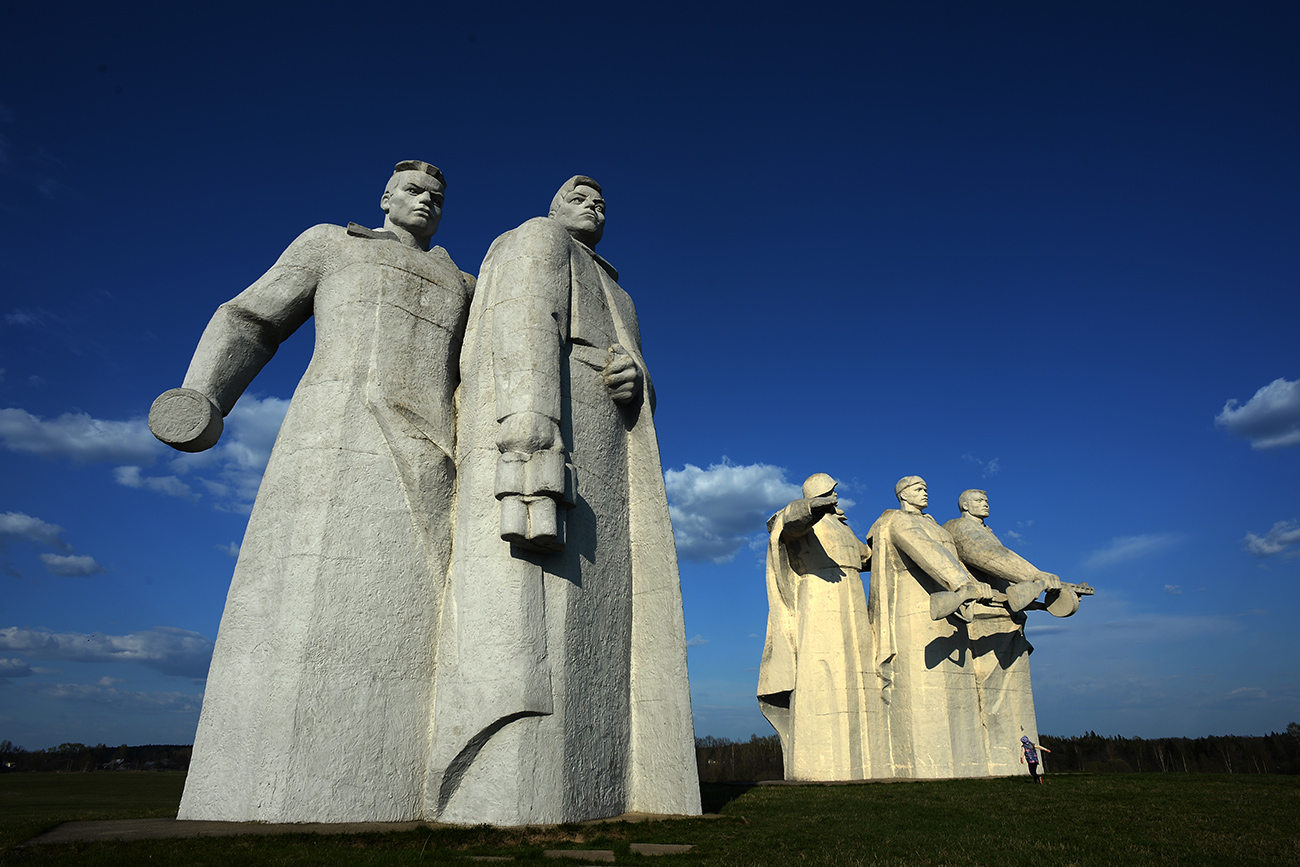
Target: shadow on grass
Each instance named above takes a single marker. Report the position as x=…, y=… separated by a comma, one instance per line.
x=715, y=796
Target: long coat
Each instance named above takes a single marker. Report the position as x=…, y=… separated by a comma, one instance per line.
x=562, y=691
x=318, y=701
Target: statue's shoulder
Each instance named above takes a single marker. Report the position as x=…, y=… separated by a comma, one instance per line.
x=321, y=233
x=540, y=236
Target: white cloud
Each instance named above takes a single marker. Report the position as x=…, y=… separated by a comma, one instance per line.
x=101, y=693
x=172, y=486
x=163, y=648
x=1173, y=590
x=987, y=468
x=231, y=550
x=14, y=668
x=239, y=459
x=231, y=472
x=80, y=437
x=1131, y=548
x=697, y=641
x=1270, y=419
x=716, y=511
x=72, y=565
x=18, y=525
x=1283, y=535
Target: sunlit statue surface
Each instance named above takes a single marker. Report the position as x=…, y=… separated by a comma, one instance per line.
x=918, y=609
x=562, y=692
x=815, y=684
x=997, y=628
x=317, y=706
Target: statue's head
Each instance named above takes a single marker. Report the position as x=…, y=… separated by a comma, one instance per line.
x=974, y=502
x=911, y=492
x=413, y=198
x=818, y=485
x=580, y=209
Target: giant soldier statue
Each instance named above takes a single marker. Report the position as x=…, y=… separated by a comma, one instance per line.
x=562, y=691
x=997, y=629
x=919, y=609
x=317, y=706
x=815, y=684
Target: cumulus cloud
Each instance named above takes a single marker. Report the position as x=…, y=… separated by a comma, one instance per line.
x=231, y=472
x=1277, y=540
x=716, y=511
x=163, y=648
x=71, y=565
x=14, y=668
x=697, y=641
x=20, y=526
x=172, y=486
x=231, y=550
x=1173, y=589
x=80, y=437
x=1270, y=419
x=1126, y=548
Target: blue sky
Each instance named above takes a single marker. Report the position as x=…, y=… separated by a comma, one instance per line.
x=1049, y=250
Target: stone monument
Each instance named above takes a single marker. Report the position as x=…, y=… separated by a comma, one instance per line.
x=815, y=684
x=997, y=629
x=930, y=703
x=317, y=705
x=562, y=692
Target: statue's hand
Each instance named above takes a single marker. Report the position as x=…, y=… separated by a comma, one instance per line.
x=622, y=376
x=185, y=419
x=1050, y=581
x=977, y=590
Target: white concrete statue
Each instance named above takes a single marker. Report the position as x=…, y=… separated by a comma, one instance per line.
x=918, y=608
x=562, y=691
x=997, y=633
x=815, y=684
x=317, y=706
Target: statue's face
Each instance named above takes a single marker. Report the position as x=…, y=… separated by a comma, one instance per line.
x=915, y=495
x=979, y=505
x=415, y=203
x=582, y=214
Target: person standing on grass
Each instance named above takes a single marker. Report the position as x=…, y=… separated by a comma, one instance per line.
x=1029, y=755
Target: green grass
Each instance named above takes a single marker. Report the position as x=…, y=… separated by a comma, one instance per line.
x=1111, y=819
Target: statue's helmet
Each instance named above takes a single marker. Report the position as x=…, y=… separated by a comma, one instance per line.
x=818, y=485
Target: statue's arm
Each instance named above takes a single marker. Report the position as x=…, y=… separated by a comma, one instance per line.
x=934, y=559
x=529, y=274
x=986, y=553
x=246, y=331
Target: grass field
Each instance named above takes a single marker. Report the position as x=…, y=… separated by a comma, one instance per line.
x=1110, y=819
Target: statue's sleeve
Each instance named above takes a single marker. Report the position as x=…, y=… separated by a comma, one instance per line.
x=933, y=557
x=245, y=332
x=530, y=274
x=983, y=551
x=799, y=519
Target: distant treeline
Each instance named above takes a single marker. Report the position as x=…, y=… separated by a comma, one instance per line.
x=759, y=758
x=69, y=758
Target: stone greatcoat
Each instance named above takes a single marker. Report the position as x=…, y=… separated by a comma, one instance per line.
x=930, y=704
x=318, y=700
x=562, y=691
x=998, y=644
x=815, y=683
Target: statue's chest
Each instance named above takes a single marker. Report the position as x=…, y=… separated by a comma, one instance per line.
x=392, y=288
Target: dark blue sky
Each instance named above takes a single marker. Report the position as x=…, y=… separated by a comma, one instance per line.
x=1033, y=248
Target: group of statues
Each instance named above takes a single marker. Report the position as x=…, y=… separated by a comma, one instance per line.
x=925, y=676
x=457, y=598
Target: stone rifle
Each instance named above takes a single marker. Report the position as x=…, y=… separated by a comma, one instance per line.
x=1018, y=597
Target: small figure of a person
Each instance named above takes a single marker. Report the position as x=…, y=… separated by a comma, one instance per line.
x=1029, y=756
